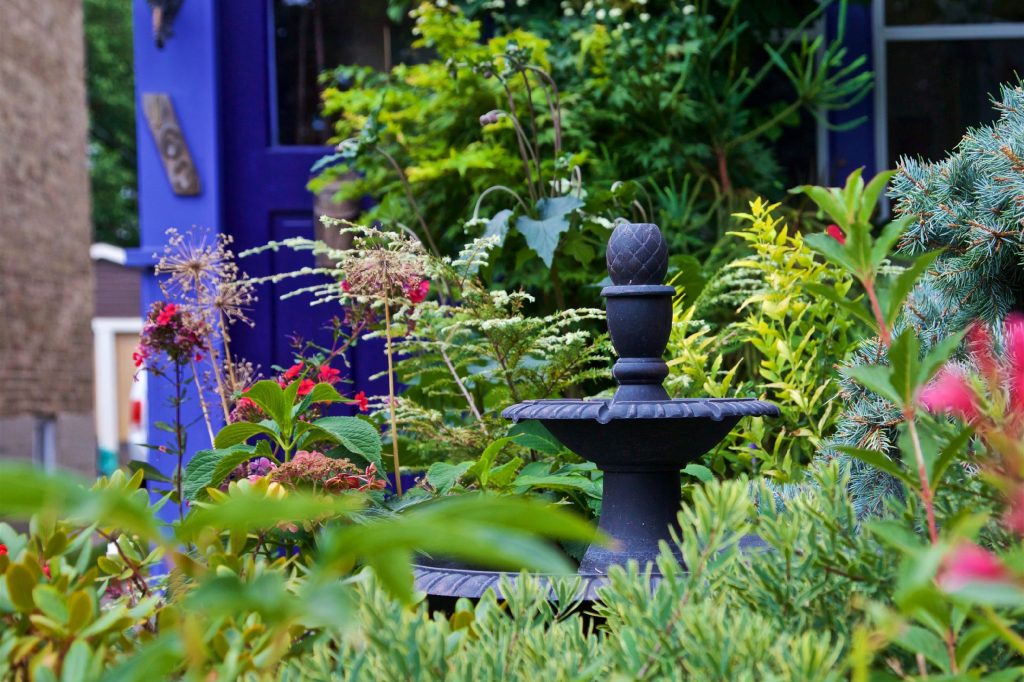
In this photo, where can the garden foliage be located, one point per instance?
(652, 113)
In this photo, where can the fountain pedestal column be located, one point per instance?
(638, 509)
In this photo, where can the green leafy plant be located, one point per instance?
(228, 607)
(784, 346)
(285, 430)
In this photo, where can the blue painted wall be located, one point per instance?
(215, 68)
(186, 69)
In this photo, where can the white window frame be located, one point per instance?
(882, 35)
(105, 331)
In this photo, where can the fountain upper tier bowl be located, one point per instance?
(642, 433)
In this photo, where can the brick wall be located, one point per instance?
(45, 271)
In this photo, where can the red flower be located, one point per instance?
(46, 571)
(3, 549)
(951, 392)
(306, 386)
(417, 293)
(345, 286)
(968, 563)
(166, 315)
(361, 401)
(139, 356)
(837, 234)
(293, 371)
(328, 375)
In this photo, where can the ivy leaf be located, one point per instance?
(354, 434)
(542, 235)
(208, 468)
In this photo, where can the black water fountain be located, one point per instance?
(640, 438)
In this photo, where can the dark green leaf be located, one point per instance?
(356, 435)
(148, 470)
(530, 433)
(830, 249)
(854, 308)
(443, 476)
(208, 468)
(269, 397)
(239, 432)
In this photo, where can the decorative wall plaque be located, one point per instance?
(163, 124)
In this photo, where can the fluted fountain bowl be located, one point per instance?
(657, 434)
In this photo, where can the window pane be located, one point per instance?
(911, 12)
(936, 90)
(311, 36)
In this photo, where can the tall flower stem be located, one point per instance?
(202, 402)
(179, 433)
(391, 395)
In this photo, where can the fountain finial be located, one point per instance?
(639, 310)
(637, 254)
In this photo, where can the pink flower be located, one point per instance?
(836, 233)
(345, 286)
(328, 375)
(166, 314)
(361, 401)
(969, 563)
(293, 371)
(951, 392)
(1013, 329)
